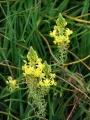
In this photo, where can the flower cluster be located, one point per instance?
(61, 38)
(60, 33)
(39, 73)
(39, 79)
(12, 85)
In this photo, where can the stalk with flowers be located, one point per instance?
(61, 39)
(38, 78)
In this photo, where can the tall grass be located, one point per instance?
(26, 23)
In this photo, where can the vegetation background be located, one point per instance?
(25, 23)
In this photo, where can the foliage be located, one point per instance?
(28, 23)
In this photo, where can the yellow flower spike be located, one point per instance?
(38, 78)
(61, 34)
(37, 73)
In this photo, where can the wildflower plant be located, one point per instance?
(61, 38)
(37, 74)
(38, 78)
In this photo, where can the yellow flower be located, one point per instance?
(38, 73)
(12, 85)
(52, 76)
(47, 82)
(68, 32)
(53, 83)
(27, 70)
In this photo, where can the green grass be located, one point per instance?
(20, 22)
